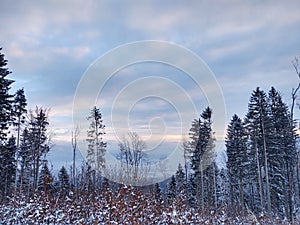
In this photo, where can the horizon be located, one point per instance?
(50, 47)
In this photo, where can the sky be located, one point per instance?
(51, 47)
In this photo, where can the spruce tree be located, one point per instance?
(6, 157)
(180, 181)
(63, 181)
(6, 99)
(202, 159)
(96, 145)
(282, 156)
(18, 118)
(258, 126)
(38, 140)
(171, 190)
(45, 179)
(25, 180)
(222, 188)
(7, 166)
(189, 147)
(18, 111)
(236, 149)
(194, 134)
(158, 193)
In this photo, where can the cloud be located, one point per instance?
(50, 44)
(153, 19)
(77, 52)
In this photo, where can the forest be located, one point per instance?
(259, 185)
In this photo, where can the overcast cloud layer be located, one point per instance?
(50, 44)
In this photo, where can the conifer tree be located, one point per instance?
(272, 154)
(7, 166)
(258, 127)
(194, 134)
(282, 156)
(63, 181)
(202, 162)
(45, 179)
(171, 190)
(96, 145)
(236, 148)
(18, 117)
(6, 99)
(189, 147)
(26, 162)
(222, 188)
(6, 157)
(180, 181)
(192, 187)
(158, 193)
(18, 111)
(38, 140)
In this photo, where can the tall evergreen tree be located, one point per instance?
(189, 147)
(7, 166)
(96, 145)
(272, 154)
(26, 163)
(237, 160)
(202, 162)
(222, 188)
(18, 111)
(18, 116)
(38, 140)
(258, 127)
(6, 99)
(194, 135)
(282, 156)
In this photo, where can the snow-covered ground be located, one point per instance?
(124, 206)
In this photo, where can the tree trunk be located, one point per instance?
(17, 153)
(215, 186)
(241, 189)
(266, 168)
(259, 176)
(202, 188)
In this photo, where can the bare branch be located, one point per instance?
(75, 134)
(295, 64)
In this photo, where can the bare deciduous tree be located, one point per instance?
(295, 63)
(131, 154)
(75, 134)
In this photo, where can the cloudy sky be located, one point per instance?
(50, 46)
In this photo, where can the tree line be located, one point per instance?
(262, 167)
(261, 173)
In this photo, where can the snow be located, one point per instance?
(125, 207)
